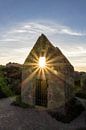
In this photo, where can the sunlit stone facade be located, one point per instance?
(55, 81)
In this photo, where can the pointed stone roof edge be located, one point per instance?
(42, 36)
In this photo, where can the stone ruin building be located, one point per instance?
(47, 77)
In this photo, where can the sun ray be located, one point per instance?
(42, 62)
(51, 60)
(30, 77)
(58, 75)
(35, 56)
(39, 72)
(43, 66)
(30, 64)
(43, 74)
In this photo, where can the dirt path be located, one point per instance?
(15, 118)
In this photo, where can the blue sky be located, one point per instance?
(63, 21)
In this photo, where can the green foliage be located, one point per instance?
(14, 78)
(2, 68)
(10, 81)
(4, 88)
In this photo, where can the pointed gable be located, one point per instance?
(56, 76)
(44, 47)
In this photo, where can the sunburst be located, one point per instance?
(42, 66)
(42, 62)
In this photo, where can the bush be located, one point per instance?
(5, 91)
(10, 78)
(14, 78)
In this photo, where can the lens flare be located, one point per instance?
(42, 62)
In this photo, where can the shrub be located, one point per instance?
(5, 91)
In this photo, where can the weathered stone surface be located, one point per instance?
(80, 82)
(83, 82)
(59, 74)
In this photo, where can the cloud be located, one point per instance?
(16, 42)
(77, 56)
(8, 40)
(13, 55)
(71, 32)
(75, 51)
(35, 28)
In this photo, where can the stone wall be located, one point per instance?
(59, 73)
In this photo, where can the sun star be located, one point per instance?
(42, 62)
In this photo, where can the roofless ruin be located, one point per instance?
(47, 78)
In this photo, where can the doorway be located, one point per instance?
(41, 92)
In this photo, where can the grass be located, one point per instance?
(18, 102)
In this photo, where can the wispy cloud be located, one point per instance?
(77, 56)
(8, 40)
(75, 51)
(16, 42)
(13, 55)
(71, 32)
(30, 28)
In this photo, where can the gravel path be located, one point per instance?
(15, 118)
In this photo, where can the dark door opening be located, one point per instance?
(41, 92)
